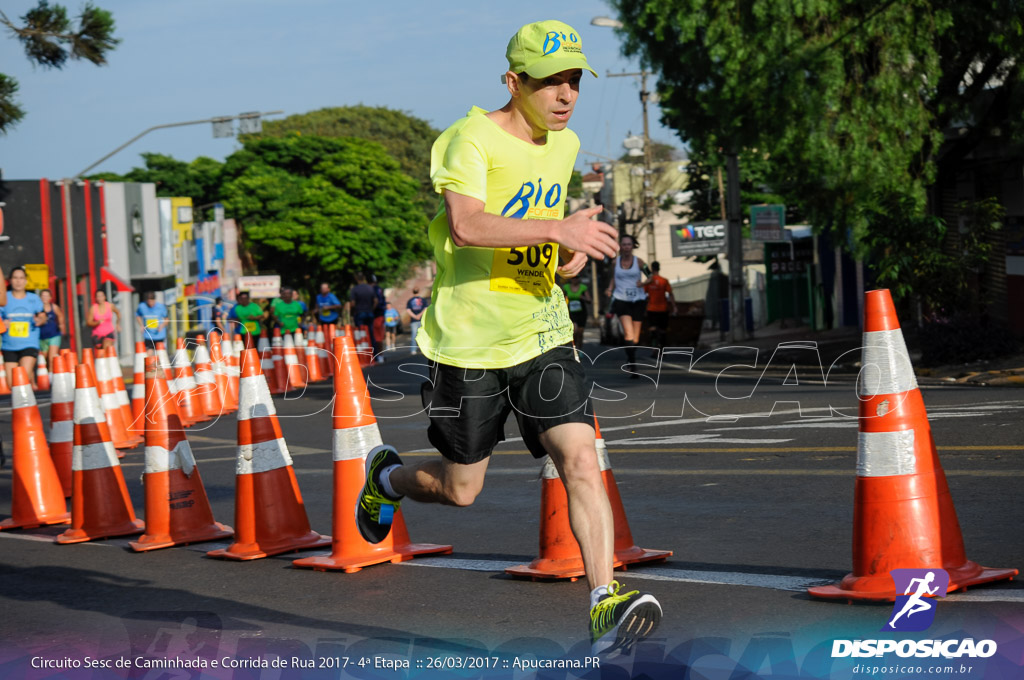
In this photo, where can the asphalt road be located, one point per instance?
(745, 473)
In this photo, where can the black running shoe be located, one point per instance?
(617, 621)
(375, 509)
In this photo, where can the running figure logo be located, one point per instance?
(912, 611)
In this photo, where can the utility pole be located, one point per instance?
(647, 205)
(734, 247)
(69, 236)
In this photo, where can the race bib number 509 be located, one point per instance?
(526, 270)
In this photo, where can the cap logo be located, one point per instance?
(554, 39)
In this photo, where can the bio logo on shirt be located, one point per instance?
(519, 207)
(553, 40)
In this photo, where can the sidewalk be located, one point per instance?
(832, 344)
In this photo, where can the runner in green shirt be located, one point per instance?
(249, 314)
(288, 311)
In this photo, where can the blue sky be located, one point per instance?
(188, 60)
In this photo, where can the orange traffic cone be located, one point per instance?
(164, 361)
(313, 362)
(114, 369)
(231, 372)
(355, 433)
(42, 375)
(115, 418)
(903, 514)
(36, 494)
(177, 509)
(190, 407)
(326, 342)
(296, 371)
(206, 381)
(62, 422)
(270, 517)
(280, 369)
(220, 374)
(100, 505)
(238, 347)
(361, 337)
(560, 555)
(267, 366)
(137, 427)
(4, 387)
(300, 348)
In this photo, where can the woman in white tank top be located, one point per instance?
(629, 299)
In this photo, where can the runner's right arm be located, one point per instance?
(471, 226)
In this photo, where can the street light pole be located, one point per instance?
(648, 197)
(647, 200)
(218, 119)
(734, 246)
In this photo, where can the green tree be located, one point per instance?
(50, 40)
(850, 99)
(315, 209)
(408, 139)
(199, 179)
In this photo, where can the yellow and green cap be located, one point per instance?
(545, 48)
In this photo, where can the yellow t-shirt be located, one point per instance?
(497, 307)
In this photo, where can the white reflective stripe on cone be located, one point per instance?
(602, 455)
(88, 409)
(62, 431)
(139, 390)
(109, 401)
(202, 355)
(140, 364)
(205, 378)
(254, 399)
(62, 388)
(122, 398)
(291, 360)
(549, 471)
(262, 457)
(885, 365)
(159, 459)
(233, 371)
(22, 396)
(354, 443)
(93, 456)
(884, 454)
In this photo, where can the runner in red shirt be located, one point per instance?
(660, 302)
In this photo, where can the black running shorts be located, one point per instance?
(468, 407)
(634, 310)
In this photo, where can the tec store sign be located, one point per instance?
(698, 238)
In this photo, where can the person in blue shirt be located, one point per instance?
(152, 318)
(327, 305)
(416, 306)
(22, 312)
(391, 321)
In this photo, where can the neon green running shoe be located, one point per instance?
(617, 621)
(375, 509)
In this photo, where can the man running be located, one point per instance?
(497, 320)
